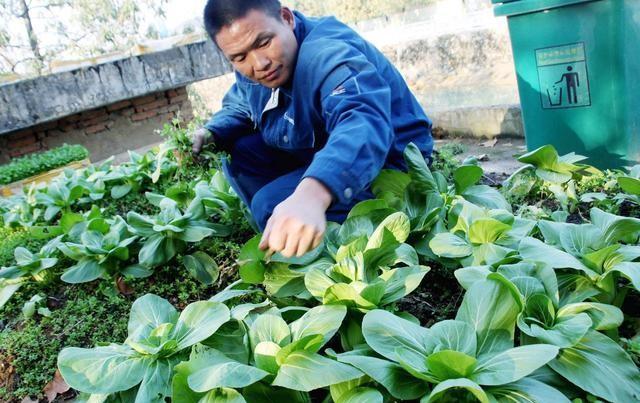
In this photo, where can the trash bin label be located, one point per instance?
(563, 78)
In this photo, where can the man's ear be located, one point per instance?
(287, 17)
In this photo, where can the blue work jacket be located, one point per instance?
(346, 105)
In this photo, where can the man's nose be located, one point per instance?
(260, 61)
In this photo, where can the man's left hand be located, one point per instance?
(297, 225)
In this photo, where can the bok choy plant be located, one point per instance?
(28, 266)
(102, 254)
(473, 355)
(169, 231)
(591, 258)
(425, 197)
(280, 356)
(142, 367)
(630, 184)
(547, 172)
(372, 266)
(480, 236)
(589, 359)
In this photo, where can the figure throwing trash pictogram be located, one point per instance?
(573, 82)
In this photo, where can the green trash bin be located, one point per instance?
(578, 68)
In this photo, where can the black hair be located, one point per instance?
(220, 13)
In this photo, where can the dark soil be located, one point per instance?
(551, 204)
(493, 178)
(575, 218)
(631, 305)
(629, 209)
(437, 298)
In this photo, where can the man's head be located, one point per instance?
(256, 36)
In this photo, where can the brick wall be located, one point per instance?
(104, 131)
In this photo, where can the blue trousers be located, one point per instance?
(264, 176)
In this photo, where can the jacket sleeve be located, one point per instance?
(355, 104)
(233, 120)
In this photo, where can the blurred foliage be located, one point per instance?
(354, 10)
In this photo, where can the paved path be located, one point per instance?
(500, 159)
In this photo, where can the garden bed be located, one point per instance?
(451, 284)
(40, 167)
(15, 188)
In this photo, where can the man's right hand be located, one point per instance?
(199, 139)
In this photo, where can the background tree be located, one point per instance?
(354, 10)
(36, 32)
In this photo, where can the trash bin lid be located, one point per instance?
(515, 7)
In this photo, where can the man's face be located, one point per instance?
(261, 47)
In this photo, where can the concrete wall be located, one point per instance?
(456, 56)
(104, 131)
(465, 81)
(43, 99)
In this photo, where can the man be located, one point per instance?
(316, 112)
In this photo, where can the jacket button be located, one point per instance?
(285, 139)
(348, 193)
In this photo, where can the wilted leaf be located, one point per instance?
(123, 287)
(55, 387)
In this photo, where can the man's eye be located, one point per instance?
(265, 43)
(238, 59)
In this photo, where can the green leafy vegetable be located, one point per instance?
(33, 164)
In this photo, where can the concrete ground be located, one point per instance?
(496, 156)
